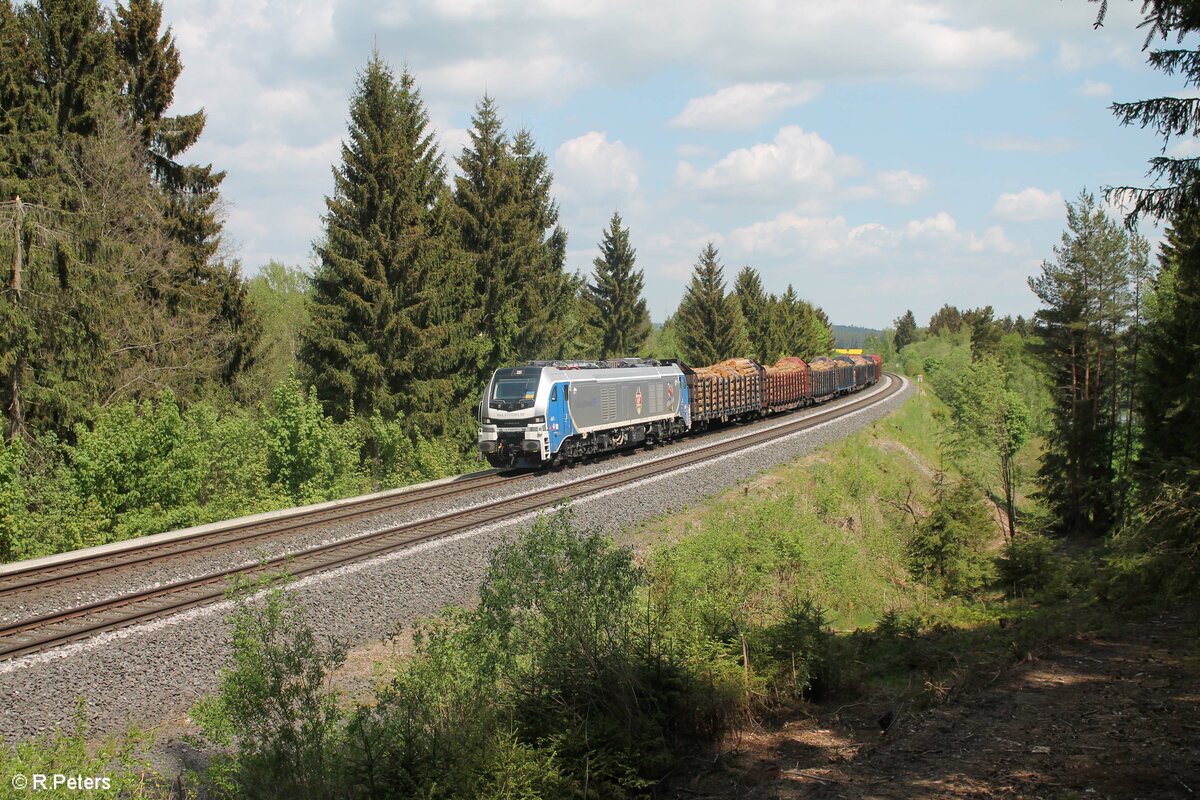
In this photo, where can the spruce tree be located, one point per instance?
(756, 311)
(1175, 180)
(906, 330)
(621, 314)
(710, 326)
(508, 225)
(540, 254)
(484, 195)
(77, 63)
(149, 66)
(1169, 394)
(384, 242)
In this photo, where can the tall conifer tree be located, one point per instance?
(1086, 301)
(756, 311)
(508, 225)
(710, 326)
(384, 241)
(621, 312)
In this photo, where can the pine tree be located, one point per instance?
(150, 65)
(74, 49)
(540, 254)
(947, 318)
(1086, 301)
(484, 194)
(710, 325)
(616, 293)
(382, 257)
(756, 310)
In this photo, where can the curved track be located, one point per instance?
(51, 630)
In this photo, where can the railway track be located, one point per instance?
(137, 552)
(52, 630)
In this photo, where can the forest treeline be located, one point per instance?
(121, 302)
(1103, 379)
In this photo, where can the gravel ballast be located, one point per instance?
(154, 672)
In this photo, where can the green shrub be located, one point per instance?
(948, 550)
(1030, 565)
(122, 761)
(274, 714)
(309, 456)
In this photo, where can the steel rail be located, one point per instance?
(52, 630)
(237, 533)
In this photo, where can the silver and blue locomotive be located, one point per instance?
(550, 412)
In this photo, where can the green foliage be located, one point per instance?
(1087, 303)
(378, 308)
(507, 223)
(275, 707)
(123, 761)
(709, 323)
(278, 296)
(1030, 565)
(753, 301)
(621, 315)
(991, 418)
(906, 330)
(1174, 185)
(309, 455)
(948, 551)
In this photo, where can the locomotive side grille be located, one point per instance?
(608, 404)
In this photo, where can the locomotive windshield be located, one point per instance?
(519, 383)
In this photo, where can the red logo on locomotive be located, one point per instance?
(637, 399)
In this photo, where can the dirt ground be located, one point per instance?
(1103, 716)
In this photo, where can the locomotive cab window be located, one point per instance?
(554, 393)
(516, 383)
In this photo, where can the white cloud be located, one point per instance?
(591, 168)
(796, 161)
(792, 234)
(939, 225)
(1070, 56)
(1096, 89)
(1052, 145)
(901, 186)
(744, 106)
(1184, 148)
(1028, 205)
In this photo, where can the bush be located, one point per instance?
(1030, 565)
(948, 550)
(309, 456)
(122, 760)
(274, 707)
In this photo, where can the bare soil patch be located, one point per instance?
(1103, 716)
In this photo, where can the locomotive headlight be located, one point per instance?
(539, 420)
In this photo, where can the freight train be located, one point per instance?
(546, 413)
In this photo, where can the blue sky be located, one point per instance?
(879, 155)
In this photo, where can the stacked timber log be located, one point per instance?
(787, 384)
(726, 389)
(823, 372)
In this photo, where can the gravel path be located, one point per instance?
(152, 672)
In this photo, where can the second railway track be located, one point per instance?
(46, 631)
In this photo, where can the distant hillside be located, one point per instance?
(852, 336)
